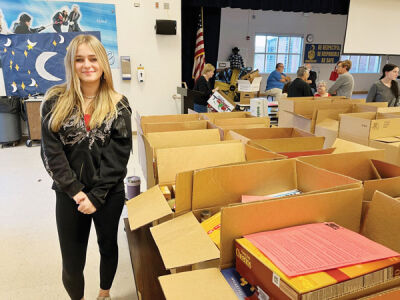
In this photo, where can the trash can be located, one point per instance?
(10, 123)
(132, 186)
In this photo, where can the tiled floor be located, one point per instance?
(30, 260)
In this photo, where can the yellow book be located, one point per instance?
(213, 228)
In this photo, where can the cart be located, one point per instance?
(32, 109)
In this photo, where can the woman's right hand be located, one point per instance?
(79, 197)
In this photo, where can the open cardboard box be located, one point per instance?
(150, 142)
(286, 141)
(366, 166)
(142, 120)
(299, 113)
(391, 145)
(225, 115)
(363, 127)
(180, 247)
(245, 135)
(178, 164)
(342, 207)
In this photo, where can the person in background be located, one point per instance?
(299, 87)
(386, 89)
(311, 78)
(276, 80)
(24, 25)
(73, 20)
(60, 18)
(321, 89)
(334, 75)
(202, 85)
(85, 147)
(344, 85)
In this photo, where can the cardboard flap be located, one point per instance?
(382, 222)
(204, 284)
(342, 207)
(183, 192)
(268, 133)
(221, 186)
(183, 242)
(343, 146)
(385, 128)
(147, 207)
(388, 140)
(183, 138)
(174, 126)
(307, 153)
(386, 170)
(171, 161)
(242, 121)
(314, 179)
(353, 164)
(212, 116)
(168, 118)
(253, 153)
(291, 144)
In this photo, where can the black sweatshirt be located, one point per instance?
(299, 88)
(90, 161)
(202, 86)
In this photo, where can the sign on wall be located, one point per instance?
(322, 53)
(33, 17)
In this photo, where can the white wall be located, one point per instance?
(159, 54)
(236, 24)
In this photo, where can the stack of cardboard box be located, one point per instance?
(210, 167)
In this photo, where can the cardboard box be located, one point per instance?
(259, 107)
(366, 166)
(227, 115)
(197, 285)
(170, 139)
(144, 209)
(233, 181)
(391, 145)
(342, 207)
(363, 127)
(246, 96)
(165, 119)
(245, 135)
(247, 86)
(175, 126)
(220, 103)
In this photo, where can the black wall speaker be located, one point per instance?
(167, 27)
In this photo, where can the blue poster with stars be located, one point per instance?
(32, 63)
(38, 16)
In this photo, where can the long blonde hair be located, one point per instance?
(70, 99)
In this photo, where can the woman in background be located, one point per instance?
(386, 89)
(202, 85)
(85, 147)
(321, 89)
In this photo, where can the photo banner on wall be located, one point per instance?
(32, 63)
(27, 16)
(322, 53)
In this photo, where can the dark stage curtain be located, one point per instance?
(211, 29)
(316, 6)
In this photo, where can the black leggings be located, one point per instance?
(73, 232)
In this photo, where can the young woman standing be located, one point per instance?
(386, 89)
(85, 147)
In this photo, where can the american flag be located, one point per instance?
(199, 53)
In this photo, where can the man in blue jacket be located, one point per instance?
(276, 80)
